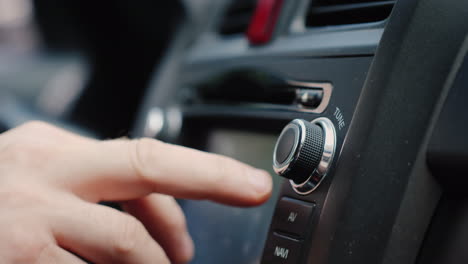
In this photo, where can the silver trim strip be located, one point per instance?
(327, 91)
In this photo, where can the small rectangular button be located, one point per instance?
(293, 217)
(309, 97)
(281, 250)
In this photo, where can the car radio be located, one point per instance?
(239, 111)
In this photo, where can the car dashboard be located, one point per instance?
(368, 94)
(365, 67)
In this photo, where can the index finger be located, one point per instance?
(128, 169)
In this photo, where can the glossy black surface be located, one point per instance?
(285, 145)
(281, 250)
(306, 147)
(293, 218)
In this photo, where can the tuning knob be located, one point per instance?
(304, 152)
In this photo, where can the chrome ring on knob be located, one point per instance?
(279, 168)
(321, 171)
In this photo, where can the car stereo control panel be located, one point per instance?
(306, 104)
(305, 154)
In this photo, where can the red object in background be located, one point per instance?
(263, 21)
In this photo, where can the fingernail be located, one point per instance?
(188, 248)
(260, 180)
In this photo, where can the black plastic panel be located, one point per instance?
(448, 150)
(347, 76)
(392, 121)
(380, 194)
(448, 235)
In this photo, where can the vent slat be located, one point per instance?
(342, 2)
(237, 17)
(349, 13)
(235, 24)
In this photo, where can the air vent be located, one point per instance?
(257, 88)
(237, 17)
(346, 12)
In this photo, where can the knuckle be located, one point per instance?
(177, 222)
(26, 153)
(20, 148)
(143, 154)
(27, 248)
(33, 128)
(224, 168)
(36, 131)
(35, 125)
(46, 255)
(16, 151)
(29, 131)
(130, 236)
(22, 195)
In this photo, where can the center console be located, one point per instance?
(339, 97)
(246, 128)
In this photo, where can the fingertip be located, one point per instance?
(262, 185)
(260, 181)
(187, 249)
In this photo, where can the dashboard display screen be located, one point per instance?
(226, 234)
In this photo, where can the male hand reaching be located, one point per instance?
(51, 181)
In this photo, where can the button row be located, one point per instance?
(292, 217)
(280, 249)
(289, 228)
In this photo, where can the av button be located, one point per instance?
(293, 217)
(281, 250)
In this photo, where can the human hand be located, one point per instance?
(51, 180)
